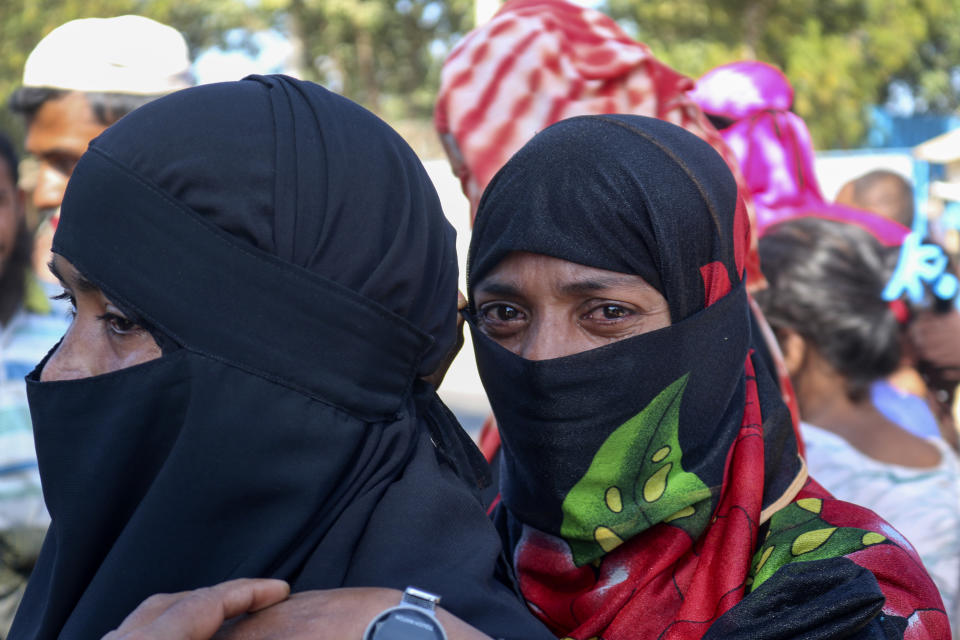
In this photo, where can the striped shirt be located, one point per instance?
(24, 341)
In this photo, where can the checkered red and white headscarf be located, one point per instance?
(540, 61)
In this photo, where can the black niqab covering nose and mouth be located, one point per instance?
(639, 196)
(291, 247)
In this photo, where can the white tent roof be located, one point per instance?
(944, 149)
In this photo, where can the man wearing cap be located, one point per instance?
(82, 77)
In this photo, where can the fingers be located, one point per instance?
(197, 614)
(146, 613)
(246, 595)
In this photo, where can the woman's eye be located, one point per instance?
(612, 312)
(506, 313)
(499, 313)
(66, 295)
(500, 317)
(119, 325)
(609, 312)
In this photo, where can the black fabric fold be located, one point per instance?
(817, 600)
(286, 325)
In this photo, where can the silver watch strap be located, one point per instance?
(420, 599)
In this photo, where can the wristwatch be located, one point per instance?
(412, 619)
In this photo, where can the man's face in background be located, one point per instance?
(57, 135)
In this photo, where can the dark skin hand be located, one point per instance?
(334, 614)
(197, 614)
(936, 337)
(217, 612)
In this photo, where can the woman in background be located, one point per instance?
(749, 102)
(839, 337)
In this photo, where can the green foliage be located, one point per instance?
(381, 53)
(840, 55)
(377, 51)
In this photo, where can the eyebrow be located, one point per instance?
(79, 281)
(498, 288)
(590, 285)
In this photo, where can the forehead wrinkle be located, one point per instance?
(597, 283)
(587, 285)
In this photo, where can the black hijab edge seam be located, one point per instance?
(271, 261)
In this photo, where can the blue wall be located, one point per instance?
(906, 131)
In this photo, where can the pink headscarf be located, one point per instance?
(774, 147)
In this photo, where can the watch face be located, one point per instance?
(406, 624)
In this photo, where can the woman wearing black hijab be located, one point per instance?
(651, 484)
(262, 275)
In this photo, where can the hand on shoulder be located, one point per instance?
(217, 612)
(197, 614)
(332, 614)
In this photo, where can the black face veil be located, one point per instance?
(290, 247)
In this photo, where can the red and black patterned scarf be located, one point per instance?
(652, 488)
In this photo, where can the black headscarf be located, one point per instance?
(652, 486)
(622, 216)
(619, 461)
(621, 193)
(289, 252)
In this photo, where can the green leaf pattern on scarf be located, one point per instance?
(797, 533)
(635, 481)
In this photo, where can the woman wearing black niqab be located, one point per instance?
(288, 253)
(651, 481)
